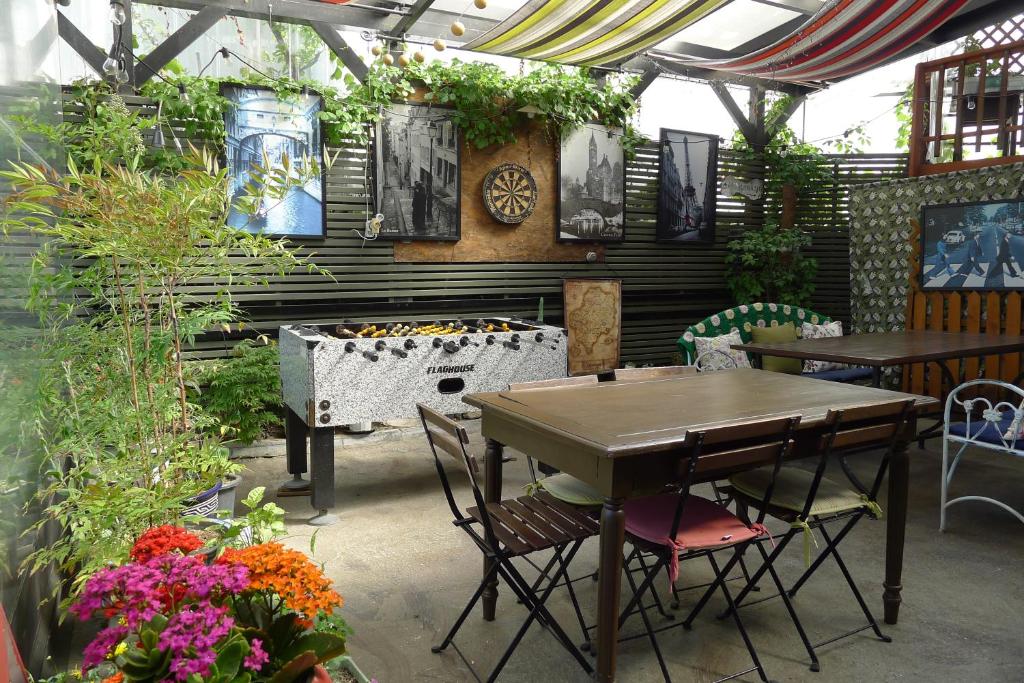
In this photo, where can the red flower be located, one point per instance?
(162, 540)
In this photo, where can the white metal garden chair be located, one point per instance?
(991, 424)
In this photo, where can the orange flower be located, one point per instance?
(289, 574)
(116, 678)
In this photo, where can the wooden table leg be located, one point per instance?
(492, 494)
(896, 523)
(613, 532)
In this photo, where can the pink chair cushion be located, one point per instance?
(705, 524)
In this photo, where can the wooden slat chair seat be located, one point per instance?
(808, 501)
(538, 522)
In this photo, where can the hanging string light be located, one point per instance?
(116, 13)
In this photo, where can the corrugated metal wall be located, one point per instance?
(665, 287)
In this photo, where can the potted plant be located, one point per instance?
(128, 448)
(245, 608)
(768, 265)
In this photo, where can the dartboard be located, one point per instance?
(510, 193)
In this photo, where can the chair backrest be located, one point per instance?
(762, 442)
(642, 374)
(860, 428)
(985, 405)
(556, 382)
(448, 436)
(744, 318)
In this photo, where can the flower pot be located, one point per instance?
(205, 504)
(320, 675)
(226, 497)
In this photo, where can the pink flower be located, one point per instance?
(257, 656)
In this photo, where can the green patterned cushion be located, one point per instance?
(745, 318)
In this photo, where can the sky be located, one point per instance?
(669, 103)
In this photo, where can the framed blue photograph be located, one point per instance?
(260, 125)
(973, 246)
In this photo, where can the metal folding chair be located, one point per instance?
(505, 530)
(679, 526)
(808, 501)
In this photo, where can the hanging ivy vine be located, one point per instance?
(485, 101)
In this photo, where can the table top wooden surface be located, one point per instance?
(891, 348)
(618, 419)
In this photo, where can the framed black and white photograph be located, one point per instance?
(261, 126)
(975, 245)
(418, 173)
(688, 187)
(591, 185)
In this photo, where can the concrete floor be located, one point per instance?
(406, 572)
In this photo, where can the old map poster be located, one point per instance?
(593, 317)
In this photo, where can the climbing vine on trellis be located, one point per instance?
(485, 101)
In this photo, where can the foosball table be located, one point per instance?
(349, 373)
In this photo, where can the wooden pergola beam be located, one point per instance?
(746, 126)
(177, 42)
(338, 46)
(82, 46)
(647, 77)
(412, 15)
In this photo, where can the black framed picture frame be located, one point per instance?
(260, 122)
(973, 246)
(688, 187)
(419, 175)
(591, 185)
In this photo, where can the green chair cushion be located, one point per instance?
(791, 487)
(571, 490)
(780, 333)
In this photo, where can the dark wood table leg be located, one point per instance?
(295, 434)
(322, 476)
(613, 533)
(896, 523)
(492, 494)
(876, 377)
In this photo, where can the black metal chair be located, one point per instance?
(677, 526)
(505, 530)
(808, 501)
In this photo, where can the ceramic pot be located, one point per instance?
(226, 497)
(205, 504)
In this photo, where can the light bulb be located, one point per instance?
(182, 93)
(116, 13)
(110, 66)
(971, 104)
(122, 76)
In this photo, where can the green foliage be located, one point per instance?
(243, 393)
(485, 100)
(262, 523)
(125, 446)
(767, 265)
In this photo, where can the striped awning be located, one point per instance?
(590, 32)
(845, 38)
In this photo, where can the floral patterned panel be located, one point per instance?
(743, 318)
(880, 245)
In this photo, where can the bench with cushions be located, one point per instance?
(743, 320)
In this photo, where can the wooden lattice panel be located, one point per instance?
(1010, 31)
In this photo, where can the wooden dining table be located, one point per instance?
(879, 350)
(624, 439)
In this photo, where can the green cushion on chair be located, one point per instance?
(791, 487)
(771, 335)
(571, 490)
